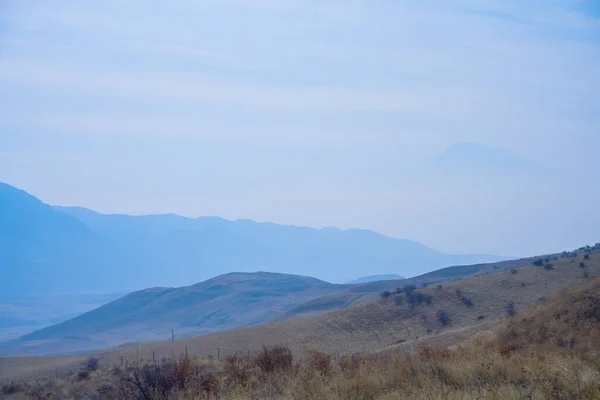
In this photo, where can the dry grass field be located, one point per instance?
(388, 322)
(530, 332)
(551, 351)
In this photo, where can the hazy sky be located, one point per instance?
(310, 112)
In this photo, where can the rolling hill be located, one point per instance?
(388, 323)
(397, 322)
(228, 301)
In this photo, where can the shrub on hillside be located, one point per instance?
(158, 380)
(386, 294)
(415, 298)
(443, 317)
(511, 310)
(11, 388)
(275, 359)
(410, 288)
(458, 293)
(513, 271)
(582, 265)
(548, 266)
(440, 287)
(539, 262)
(480, 317)
(236, 370)
(350, 365)
(425, 285)
(92, 364)
(586, 257)
(467, 301)
(321, 363)
(399, 300)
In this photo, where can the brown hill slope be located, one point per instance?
(361, 293)
(376, 325)
(550, 351)
(225, 302)
(386, 322)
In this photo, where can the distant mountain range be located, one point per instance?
(47, 249)
(375, 278)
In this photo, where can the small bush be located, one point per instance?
(418, 298)
(11, 388)
(586, 257)
(399, 300)
(458, 293)
(410, 288)
(513, 271)
(467, 301)
(539, 262)
(443, 317)
(83, 375)
(511, 310)
(548, 266)
(350, 365)
(425, 285)
(480, 317)
(398, 290)
(275, 359)
(321, 363)
(237, 370)
(92, 364)
(582, 265)
(585, 275)
(386, 294)
(439, 287)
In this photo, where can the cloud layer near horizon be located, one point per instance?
(307, 112)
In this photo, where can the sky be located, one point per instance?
(314, 113)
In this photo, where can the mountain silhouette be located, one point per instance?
(47, 249)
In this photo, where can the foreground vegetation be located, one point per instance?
(549, 352)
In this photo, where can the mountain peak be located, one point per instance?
(468, 156)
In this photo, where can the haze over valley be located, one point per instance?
(299, 200)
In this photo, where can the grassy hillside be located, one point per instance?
(369, 291)
(550, 351)
(383, 323)
(225, 302)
